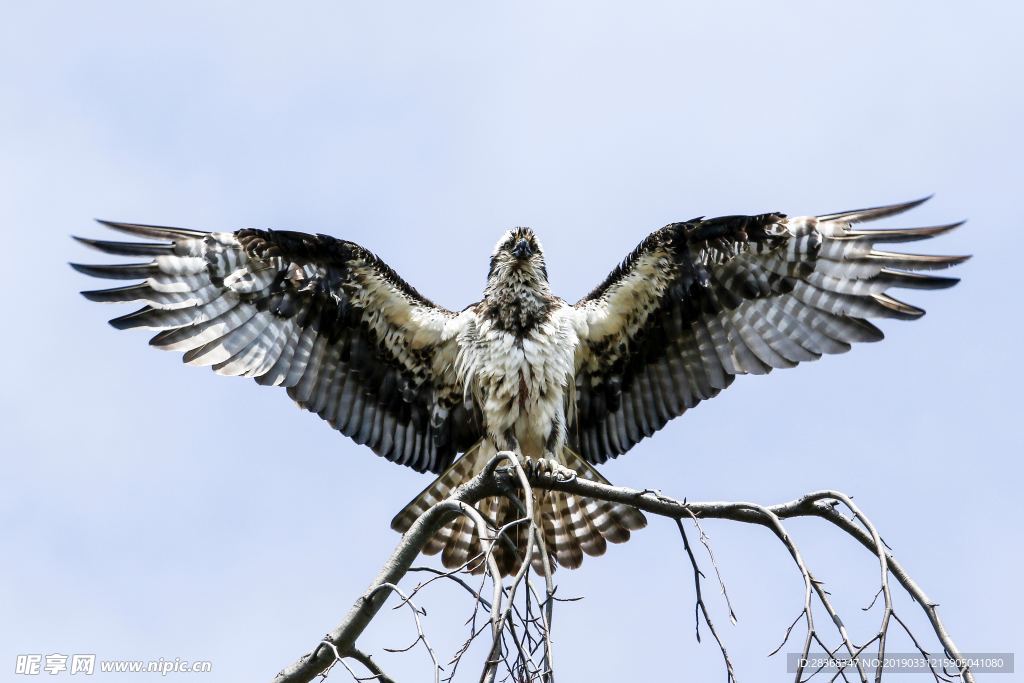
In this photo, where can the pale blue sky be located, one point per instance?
(151, 510)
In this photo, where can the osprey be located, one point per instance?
(694, 305)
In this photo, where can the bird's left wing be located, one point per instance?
(700, 302)
(327, 319)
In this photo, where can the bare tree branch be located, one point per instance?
(810, 505)
(377, 674)
(700, 608)
(344, 636)
(506, 475)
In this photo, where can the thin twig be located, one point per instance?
(701, 608)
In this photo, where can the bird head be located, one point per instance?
(519, 256)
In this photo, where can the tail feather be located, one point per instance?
(456, 550)
(562, 533)
(591, 541)
(438, 541)
(571, 526)
(611, 521)
(459, 472)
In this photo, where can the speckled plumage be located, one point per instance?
(694, 305)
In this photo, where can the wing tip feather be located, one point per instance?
(900, 310)
(126, 248)
(874, 212)
(121, 271)
(158, 231)
(113, 295)
(129, 320)
(901, 235)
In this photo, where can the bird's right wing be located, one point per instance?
(700, 302)
(325, 318)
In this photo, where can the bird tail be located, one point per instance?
(571, 525)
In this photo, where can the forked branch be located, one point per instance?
(520, 637)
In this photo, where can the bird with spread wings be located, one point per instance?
(694, 305)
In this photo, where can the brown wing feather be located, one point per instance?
(697, 303)
(349, 339)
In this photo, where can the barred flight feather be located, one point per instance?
(276, 306)
(771, 292)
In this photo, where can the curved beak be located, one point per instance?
(522, 250)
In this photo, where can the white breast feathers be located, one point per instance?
(521, 385)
